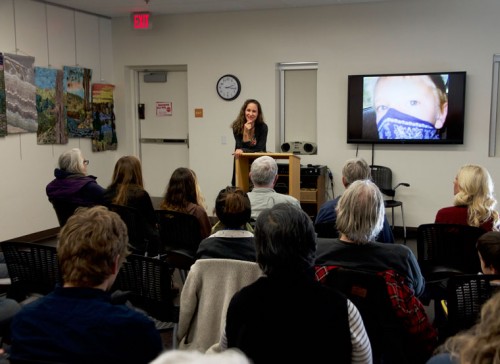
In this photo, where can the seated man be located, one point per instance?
(264, 174)
(77, 323)
(354, 170)
(360, 217)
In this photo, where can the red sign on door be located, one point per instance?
(164, 108)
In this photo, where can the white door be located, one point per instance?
(164, 139)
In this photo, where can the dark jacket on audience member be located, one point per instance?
(376, 257)
(228, 244)
(81, 325)
(75, 188)
(304, 313)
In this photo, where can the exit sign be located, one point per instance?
(141, 21)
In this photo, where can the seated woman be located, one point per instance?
(182, 195)
(232, 240)
(72, 187)
(474, 203)
(127, 189)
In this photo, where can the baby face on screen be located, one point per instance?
(409, 107)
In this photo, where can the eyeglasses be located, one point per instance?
(86, 162)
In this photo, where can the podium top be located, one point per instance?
(272, 155)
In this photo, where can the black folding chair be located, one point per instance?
(466, 294)
(147, 284)
(33, 269)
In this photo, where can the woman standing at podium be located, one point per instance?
(249, 131)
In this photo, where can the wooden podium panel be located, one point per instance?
(243, 168)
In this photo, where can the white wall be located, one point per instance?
(56, 37)
(409, 36)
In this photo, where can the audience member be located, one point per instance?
(360, 217)
(72, 184)
(182, 196)
(230, 356)
(264, 174)
(232, 240)
(354, 170)
(77, 323)
(478, 345)
(287, 314)
(127, 189)
(410, 107)
(249, 131)
(474, 203)
(488, 248)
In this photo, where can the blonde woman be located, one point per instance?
(474, 203)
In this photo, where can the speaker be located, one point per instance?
(299, 147)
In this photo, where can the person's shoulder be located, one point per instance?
(124, 315)
(289, 198)
(329, 204)
(445, 213)
(394, 249)
(447, 209)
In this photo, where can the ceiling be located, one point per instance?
(118, 8)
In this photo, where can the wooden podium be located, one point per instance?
(243, 168)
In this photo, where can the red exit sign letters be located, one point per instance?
(141, 21)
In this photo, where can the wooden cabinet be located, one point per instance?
(312, 187)
(292, 176)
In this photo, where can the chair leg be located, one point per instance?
(174, 336)
(404, 226)
(392, 218)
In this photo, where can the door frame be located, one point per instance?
(134, 73)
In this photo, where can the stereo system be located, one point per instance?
(299, 147)
(309, 170)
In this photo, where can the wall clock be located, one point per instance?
(228, 87)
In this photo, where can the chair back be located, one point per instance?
(444, 250)
(33, 269)
(148, 282)
(137, 227)
(205, 297)
(382, 177)
(178, 231)
(465, 297)
(181, 261)
(326, 230)
(64, 210)
(368, 292)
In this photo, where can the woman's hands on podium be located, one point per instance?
(237, 153)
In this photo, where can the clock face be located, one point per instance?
(228, 87)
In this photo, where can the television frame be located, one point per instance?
(362, 130)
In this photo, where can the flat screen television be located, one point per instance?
(406, 108)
